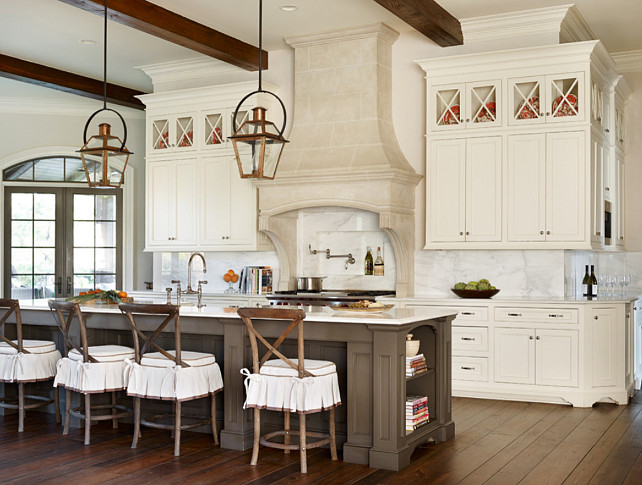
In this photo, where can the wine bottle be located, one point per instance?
(585, 283)
(368, 263)
(378, 264)
(593, 282)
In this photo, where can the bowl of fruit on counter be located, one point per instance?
(475, 289)
(100, 297)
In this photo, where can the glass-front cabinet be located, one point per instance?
(218, 125)
(546, 99)
(171, 133)
(466, 105)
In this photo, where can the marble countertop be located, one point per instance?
(511, 300)
(392, 316)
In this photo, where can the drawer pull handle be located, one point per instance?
(467, 368)
(468, 338)
(514, 314)
(467, 313)
(555, 315)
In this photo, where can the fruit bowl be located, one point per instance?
(475, 293)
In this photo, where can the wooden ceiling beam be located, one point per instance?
(165, 24)
(429, 18)
(30, 72)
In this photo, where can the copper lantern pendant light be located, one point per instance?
(258, 143)
(100, 151)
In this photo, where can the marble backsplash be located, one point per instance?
(533, 273)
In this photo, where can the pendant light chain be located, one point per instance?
(260, 39)
(105, 60)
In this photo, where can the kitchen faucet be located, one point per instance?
(189, 290)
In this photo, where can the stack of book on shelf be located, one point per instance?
(416, 365)
(256, 280)
(416, 412)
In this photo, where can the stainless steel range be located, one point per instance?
(324, 298)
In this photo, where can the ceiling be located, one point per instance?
(49, 32)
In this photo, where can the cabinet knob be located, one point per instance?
(461, 233)
(599, 118)
(541, 114)
(548, 114)
(598, 233)
(620, 140)
(467, 233)
(467, 120)
(595, 317)
(171, 238)
(606, 130)
(548, 233)
(537, 338)
(530, 338)
(541, 232)
(607, 189)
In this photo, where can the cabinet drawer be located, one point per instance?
(470, 368)
(464, 313)
(539, 315)
(470, 338)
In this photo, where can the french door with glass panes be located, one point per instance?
(61, 241)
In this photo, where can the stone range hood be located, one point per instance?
(343, 150)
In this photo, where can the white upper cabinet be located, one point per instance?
(464, 190)
(195, 198)
(546, 99)
(557, 118)
(466, 105)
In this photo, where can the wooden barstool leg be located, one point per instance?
(303, 444)
(136, 421)
(286, 427)
(333, 440)
(21, 407)
(57, 404)
(87, 418)
(214, 431)
(114, 421)
(177, 430)
(67, 410)
(257, 436)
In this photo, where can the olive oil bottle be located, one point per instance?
(368, 263)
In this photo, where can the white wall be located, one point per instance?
(40, 120)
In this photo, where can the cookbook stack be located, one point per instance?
(416, 412)
(416, 365)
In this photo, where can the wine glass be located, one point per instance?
(621, 280)
(601, 285)
(612, 281)
(627, 282)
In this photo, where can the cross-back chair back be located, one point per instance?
(64, 313)
(297, 316)
(145, 343)
(9, 307)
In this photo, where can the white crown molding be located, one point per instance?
(628, 61)
(564, 20)
(378, 29)
(59, 107)
(187, 70)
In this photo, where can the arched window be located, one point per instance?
(59, 239)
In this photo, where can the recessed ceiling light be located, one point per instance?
(288, 8)
(87, 41)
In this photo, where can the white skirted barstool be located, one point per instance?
(23, 361)
(298, 385)
(89, 370)
(173, 375)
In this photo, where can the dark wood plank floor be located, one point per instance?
(497, 442)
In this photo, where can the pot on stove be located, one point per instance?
(312, 284)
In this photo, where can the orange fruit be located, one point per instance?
(235, 278)
(122, 294)
(230, 272)
(91, 292)
(82, 293)
(98, 290)
(227, 277)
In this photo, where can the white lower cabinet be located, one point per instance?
(575, 353)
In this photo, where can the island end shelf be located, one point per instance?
(370, 353)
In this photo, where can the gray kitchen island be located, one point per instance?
(369, 350)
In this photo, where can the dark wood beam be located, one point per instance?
(429, 18)
(33, 73)
(152, 19)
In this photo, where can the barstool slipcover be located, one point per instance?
(278, 387)
(38, 365)
(157, 377)
(93, 377)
